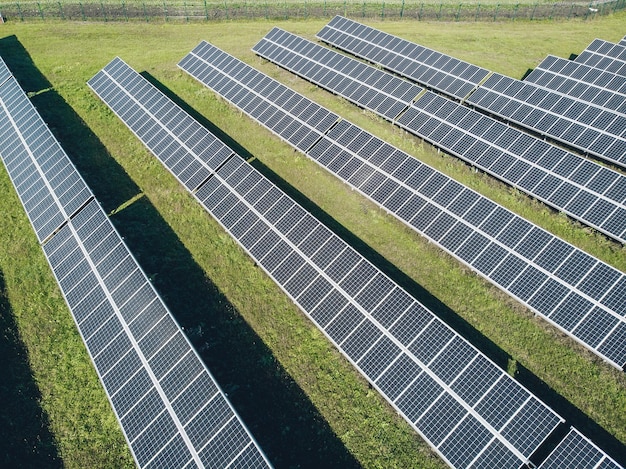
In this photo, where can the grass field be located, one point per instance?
(304, 403)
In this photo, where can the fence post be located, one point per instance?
(61, 11)
(382, 13)
(570, 11)
(515, 11)
(439, 12)
(477, 12)
(165, 10)
(40, 10)
(104, 13)
(495, 15)
(225, 8)
(19, 10)
(402, 10)
(532, 15)
(458, 12)
(206, 12)
(363, 9)
(419, 15)
(124, 10)
(306, 10)
(145, 13)
(82, 10)
(185, 10)
(345, 8)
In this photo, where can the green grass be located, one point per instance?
(303, 401)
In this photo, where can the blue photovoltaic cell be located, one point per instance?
(486, 232)
(508, 154)
(302, 256)
(587, 127)
(605, 55)
(426, 66)
(577, 451)
(144, 362)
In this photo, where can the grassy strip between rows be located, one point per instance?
(305, 404)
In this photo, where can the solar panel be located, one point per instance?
(464, 223)
(604, 89)
(429, 67)
(623, 41)
(581, 125)
(169, 407)
(561, 179)
(577, 451)
(411, 357)
(605, 55)
(45, 180)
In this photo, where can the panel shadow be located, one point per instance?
(25, 436)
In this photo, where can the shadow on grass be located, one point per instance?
(534, 384)
(25, 437)
(288, 427)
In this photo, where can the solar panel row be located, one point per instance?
(605, 55)
(5, 73)
(46, 182)
(586, 83)
(168, 405)
(434, 69)
(473, 413)
(577, 451)
(584, 190)
(371, 88)
(576, 123)
(584, 126)
(488, 238)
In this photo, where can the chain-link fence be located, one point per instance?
(203, 10)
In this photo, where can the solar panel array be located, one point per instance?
(168, 405)
(582, 82)
(577, 451)
(434, 69)
(605, 55)
(532, 265)
(471, 411)
(583, 189)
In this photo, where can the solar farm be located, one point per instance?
(331, 243)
